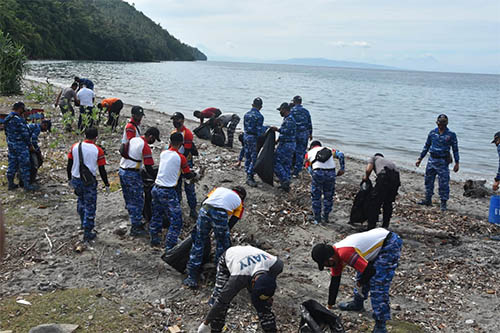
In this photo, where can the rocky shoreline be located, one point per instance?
(448, 279)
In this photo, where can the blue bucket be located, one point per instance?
(494, 216)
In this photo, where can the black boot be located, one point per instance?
(12, 185)
(426, 202)
(355, 305)
(379, 327)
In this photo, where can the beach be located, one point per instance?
(448, 279)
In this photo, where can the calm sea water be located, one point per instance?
(358, 111)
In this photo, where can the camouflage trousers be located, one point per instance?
(208, 219)
(300, 151)
(385, 265)
(188, 188)
(439, 167)
(19, 159)
(231, 128)
(165, 202)
(250, 153)
(133, 193)
(86, 204)
(322, 184)
(283, 161)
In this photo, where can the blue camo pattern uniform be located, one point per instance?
(497, 178)
(253, 127)
(304, 131)
(378, 288)
(285, 150)
(18, 143)
(438, 145)
(133, 189)
(323, 176)
(35, 130)
(189, 189)
(86, 203)
(165, 202)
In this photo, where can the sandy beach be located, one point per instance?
(448, 279)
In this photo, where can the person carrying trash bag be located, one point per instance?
(135, 153)
(375, 255)
(214, 212)
(496, 141)
(238, 268)
(253, 128)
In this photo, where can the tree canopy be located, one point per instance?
(89, 30)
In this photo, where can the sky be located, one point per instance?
(443, 35)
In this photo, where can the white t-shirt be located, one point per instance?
(224, 198)
(248, 260)
(138, 150)
(367, 244)
(86, 96)
(311, 155)
(93, 157)
(171, 164)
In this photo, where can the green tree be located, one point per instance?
(12, 65)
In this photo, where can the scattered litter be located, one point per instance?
(23, 302)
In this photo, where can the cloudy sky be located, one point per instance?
(447, 35)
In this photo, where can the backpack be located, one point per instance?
(124, 148)
(323, 155)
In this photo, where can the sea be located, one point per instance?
(357, 111)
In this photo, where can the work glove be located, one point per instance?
(204, 328)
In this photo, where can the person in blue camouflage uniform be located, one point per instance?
(19, 145)
(323, 184)
(210, 218)
(496, 141)
(304, 132)
(438, 144)
(132, 183)
(374, 281)
(286, 147)
(253, 128)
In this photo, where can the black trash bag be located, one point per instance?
(315, 318)
(203, 131)
(264, 164)
(218, 137)
(178, 256)
(359, 210)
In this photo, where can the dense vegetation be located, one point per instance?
(89, 30)
(12, 61)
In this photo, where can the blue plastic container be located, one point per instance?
(494, 216)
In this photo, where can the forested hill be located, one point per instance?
(89, 30)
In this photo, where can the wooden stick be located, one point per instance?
(29, 249)
(50, 242)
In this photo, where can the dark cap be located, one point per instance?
(154, 132)
(264, 287)
(297, 99)
(321, 253)
(18, 105)
(176, 138)
(241, 191)
(284, 105)
(257, 102)
(495, 137)
(442, 118)
(177, 115)
(315, 143)
(137, 111)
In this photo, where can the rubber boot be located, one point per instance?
(379, 327)
(138, 231)
(251, 182)
(426, 202)
(355, 305)
(12, 185)
(192, 280)
(443, 206)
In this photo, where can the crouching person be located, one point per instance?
(375, 255)
(215, 210)
(87, 154)
(238, 268)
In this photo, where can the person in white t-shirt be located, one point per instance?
(220, 204)
(93, 159)
(323, 178)
(238, 268)
(375, 256)
(138, 153)
(165, 199)
(86, 97)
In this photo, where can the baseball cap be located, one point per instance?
(321, 253)
(154, 132)
(315, 143)
(137, 110)
(495, 137)
(297, 99)
(264, 287)
(257, 102)
(284, 105)
(18, 105)
(177, 115)
(176, 137)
